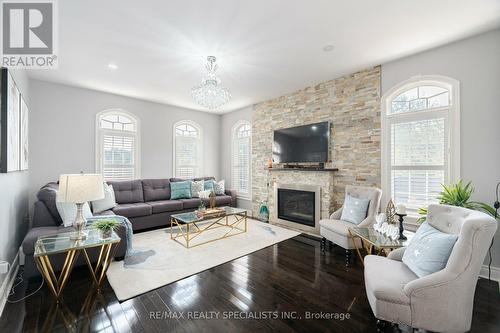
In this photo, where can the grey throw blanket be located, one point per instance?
(124, 221)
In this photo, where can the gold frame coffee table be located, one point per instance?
(62, 243)
(373, 240)
(188, 225)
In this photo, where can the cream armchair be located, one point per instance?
(337, 231)
(441, 301)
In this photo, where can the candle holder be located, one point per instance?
(401, 228)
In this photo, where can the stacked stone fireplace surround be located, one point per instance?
(352, 105)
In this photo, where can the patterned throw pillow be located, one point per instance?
(205, 194)
(429, 250)
(180, 190)
(196, 188)
(355, 209)
(219, 188)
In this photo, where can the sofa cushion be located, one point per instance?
(165, 206)
(105, 213)
(127, 191)
(191, 203)
(47, 195)
(209, 185)
(156, 189)
(107, 203)
(133, 209)
(32, 236)
(220, 200)
(181, 190)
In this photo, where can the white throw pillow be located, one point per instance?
(67, 211)
(196, 188)
(205, 194)
(219, 187)
(107, 203)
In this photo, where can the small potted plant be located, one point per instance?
(105, 227)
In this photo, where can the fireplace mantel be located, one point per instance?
(303, 169)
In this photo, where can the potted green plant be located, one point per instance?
(105, 227)
(459, 194)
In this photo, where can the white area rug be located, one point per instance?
(159, 260)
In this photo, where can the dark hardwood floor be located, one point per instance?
(287, 280)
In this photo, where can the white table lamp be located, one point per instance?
(78, 189)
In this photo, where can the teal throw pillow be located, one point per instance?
(429, 250)
(355, 209)
(209, 185)
(180, 190)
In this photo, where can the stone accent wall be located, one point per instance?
(352, 105)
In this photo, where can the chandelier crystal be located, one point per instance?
(210, 93)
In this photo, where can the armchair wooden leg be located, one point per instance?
(381, 324)
(323, 244)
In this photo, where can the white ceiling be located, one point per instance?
(265, 48)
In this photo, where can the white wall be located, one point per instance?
(475, 62)
(228, 121)
(62, 133)
(14, 197)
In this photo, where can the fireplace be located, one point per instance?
(297, 206)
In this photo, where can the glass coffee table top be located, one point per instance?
(60, 243)
(191, 217)
(379, 240)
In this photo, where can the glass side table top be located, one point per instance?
(61, 243)
(191, 216)
(379, 240)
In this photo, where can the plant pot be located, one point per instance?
(105, 234)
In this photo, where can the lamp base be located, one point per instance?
(79, 224)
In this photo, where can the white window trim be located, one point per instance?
(99, 136)
(453, 118)
(233, 132)
(200, 151)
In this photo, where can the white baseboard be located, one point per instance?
(495, 273)
(8, 282)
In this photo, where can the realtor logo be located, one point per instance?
(29, 34)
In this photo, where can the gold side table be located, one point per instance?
(46, 246)
(372, 240)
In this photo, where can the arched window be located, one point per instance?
(117, 145)
(241, 158)
(187, 149)
(420, 140)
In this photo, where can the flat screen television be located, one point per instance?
(302, 144)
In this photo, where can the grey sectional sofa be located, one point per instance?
(146, 203)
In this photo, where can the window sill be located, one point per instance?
(243, 198)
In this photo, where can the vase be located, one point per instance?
(105, 234)
(264, 212)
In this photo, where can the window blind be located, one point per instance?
(118, 157)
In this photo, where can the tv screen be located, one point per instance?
(308, 143)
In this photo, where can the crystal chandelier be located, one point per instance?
(209, 93)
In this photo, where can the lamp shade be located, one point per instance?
(80, 188)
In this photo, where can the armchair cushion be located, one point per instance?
(355, 209)
(385, 280)
(429, 250)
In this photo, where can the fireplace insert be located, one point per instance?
(297, 206)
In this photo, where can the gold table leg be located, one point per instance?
(57, 284)
(106, 255)
(353, 238)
